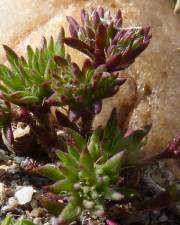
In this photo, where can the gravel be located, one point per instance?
(14, 180)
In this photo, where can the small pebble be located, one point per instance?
(3, 156)
(176, 210)
(18, 159)
(24, 195)
(34, 203)
(37, 212)
(13, 168)
(12, 202)
(37, 221)
(163, 218)
(2, 193)
(5, 208)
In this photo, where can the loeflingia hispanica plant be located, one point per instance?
(89, 166)
(9, 221)
(47, 77)
(89, 171)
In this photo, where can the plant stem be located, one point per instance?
(87, 119)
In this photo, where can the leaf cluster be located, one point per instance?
(89, 171)
(47, 76)
(28, 81)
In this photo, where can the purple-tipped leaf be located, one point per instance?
(8, 133)
(64, 121)
(97, 107)
(118, 15)
(87, 65)
(113, 165)
(43, 44)
(101, 12)
(76, 70)
(60, 61)
(100, 44)
(113, 61)
(73, 115)
(73, 26)
(96, 20)
(83, 16)
(79, 45)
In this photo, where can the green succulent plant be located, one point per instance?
(88, 173)
(9, 221)
(92, 168)
(83, 89)
(47, 77)
(27, 82)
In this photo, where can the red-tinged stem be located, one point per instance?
(87, 119)
(172, 151)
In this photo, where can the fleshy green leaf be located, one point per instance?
(79, 141)
(72, 150)
(69, 173)
(113, 165)
(11, 55)
(30, 54)
(68, 160)
(58, 187)
(87, 164)
(94, 144)
(70, 212)
(7, 221)
(133, 141)
(24, 222)
(112, 137)
(51, 172)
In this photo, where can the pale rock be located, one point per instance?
(12, 202)
(163, 218)
(24, 195)
(37, 221)
(18, 159)
(37, 212)
(3, 156)
(34, 203)
(2, 193)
